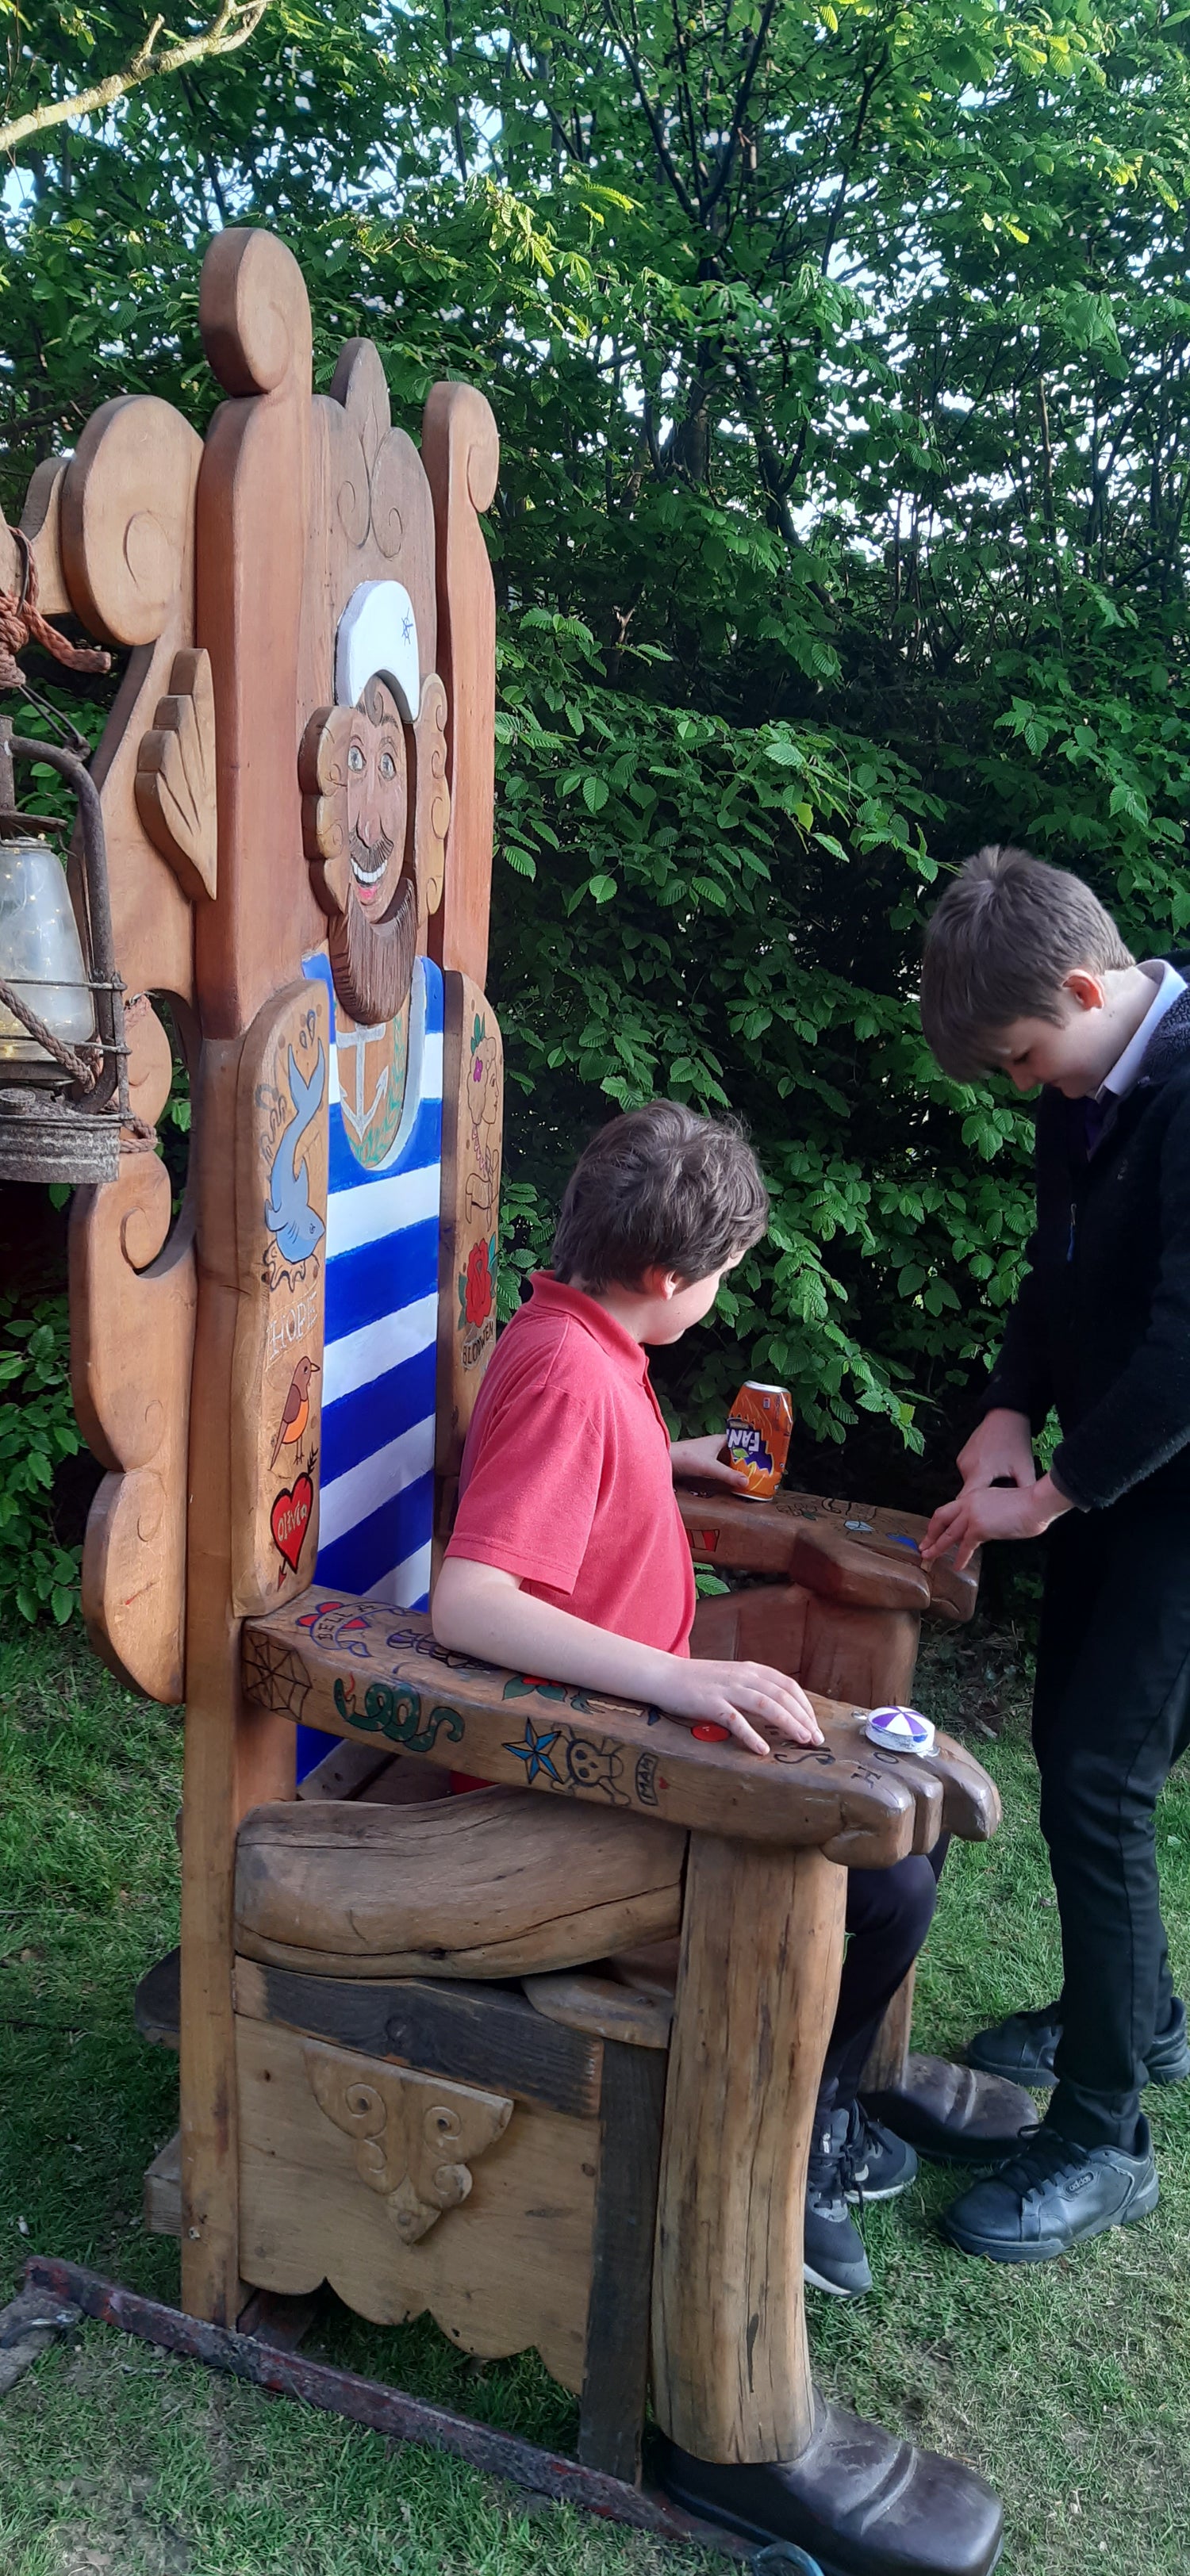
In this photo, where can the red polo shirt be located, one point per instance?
(566, 1478)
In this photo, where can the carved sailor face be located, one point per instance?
(376, 799)
(354, 820)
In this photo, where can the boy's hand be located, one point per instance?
(700, 1460)
(731, 1694)
(1002, 1447)
(992, 1511)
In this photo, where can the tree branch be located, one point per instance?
(237, 20)
(656, 129)
(740, 109)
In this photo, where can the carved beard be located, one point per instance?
(372, 961)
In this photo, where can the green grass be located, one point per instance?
(1069, 2384)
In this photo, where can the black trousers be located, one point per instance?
(889, 1912)
(1111, 1714)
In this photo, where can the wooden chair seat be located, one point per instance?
(497, 1884)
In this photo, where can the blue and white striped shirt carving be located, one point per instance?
(379, 1363)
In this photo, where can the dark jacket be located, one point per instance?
(1101, 1327)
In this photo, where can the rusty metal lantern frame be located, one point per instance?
(74, 1137)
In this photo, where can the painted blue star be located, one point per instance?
(535, 1753)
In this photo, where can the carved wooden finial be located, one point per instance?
(253, 311)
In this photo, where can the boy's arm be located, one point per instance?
(1143, 1419)
(1022, 1381)
(992, 1511)
(1000, 1451)
(700, 1461)
(478, 1609)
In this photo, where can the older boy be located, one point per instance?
(569, 1559)
(1024, 970)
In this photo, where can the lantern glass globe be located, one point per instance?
(41, 957)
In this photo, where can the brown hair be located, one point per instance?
(660, 1189)
(999, 947)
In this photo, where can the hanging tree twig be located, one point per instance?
(236, 21)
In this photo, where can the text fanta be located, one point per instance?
(758, 1433)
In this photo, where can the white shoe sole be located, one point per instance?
(834, 2289)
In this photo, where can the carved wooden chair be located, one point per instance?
(405, 2066)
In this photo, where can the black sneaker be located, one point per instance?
(834, 2257)
(1023, 2048)
(1052, 2196)
(874, 2165)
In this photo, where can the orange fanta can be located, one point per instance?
(758, 1433)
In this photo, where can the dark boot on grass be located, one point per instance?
(859, 2501)
(953, 2115)
(1023, 2048)
(1054, 2195)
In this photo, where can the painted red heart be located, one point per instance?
(288, 1519)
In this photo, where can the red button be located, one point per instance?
(708, 1733)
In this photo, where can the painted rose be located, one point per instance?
(478, 1299)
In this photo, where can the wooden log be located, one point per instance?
(607, 2007)
(762, 1944)
(494, 1885)
(616, 2362)
(888, 2056)
(865, 1808)
(485, 2035)
(343, 1772)
(162, 2208)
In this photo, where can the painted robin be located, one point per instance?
(292, 1426)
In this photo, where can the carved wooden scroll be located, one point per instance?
(112, 537)
(416, 2137)
(281, 1190)
(40, 525)
(127, 517)
(472, 1129)
(132, 1302)
(461, 450)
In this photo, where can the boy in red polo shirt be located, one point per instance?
(568, 1557)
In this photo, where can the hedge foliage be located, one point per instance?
(839, 355)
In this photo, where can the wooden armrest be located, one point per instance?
(363, 1670)
(856, 1553)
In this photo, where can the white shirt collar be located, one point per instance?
(1125, 1071)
